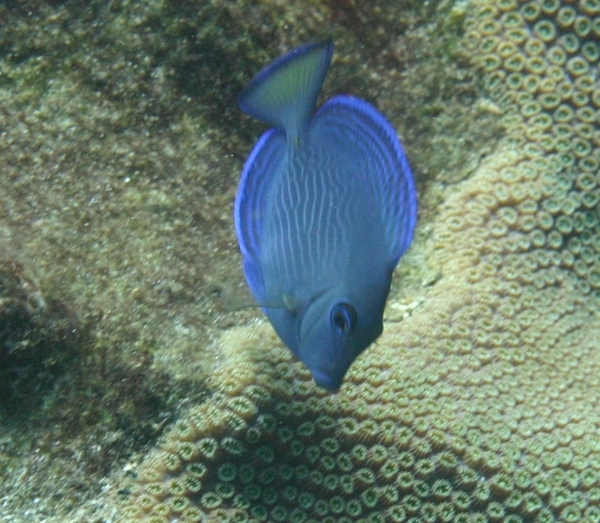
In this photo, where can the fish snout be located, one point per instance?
(326, 380)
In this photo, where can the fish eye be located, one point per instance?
(343, 317)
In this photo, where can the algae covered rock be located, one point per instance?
(38, 338)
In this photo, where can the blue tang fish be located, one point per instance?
(325, 209)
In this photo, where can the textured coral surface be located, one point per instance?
(121, 147)
(483, 404)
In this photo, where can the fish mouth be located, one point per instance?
(326, 380)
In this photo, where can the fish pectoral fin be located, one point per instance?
(290, 302)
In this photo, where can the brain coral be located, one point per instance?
(483, 405)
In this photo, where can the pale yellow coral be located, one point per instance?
(483, 404)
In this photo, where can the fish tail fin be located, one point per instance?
(284, 94)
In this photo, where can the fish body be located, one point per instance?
(325, 209)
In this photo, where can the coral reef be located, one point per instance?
(121, 147)
(480, 406)
(119, 164)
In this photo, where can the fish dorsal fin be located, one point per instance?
(284, 94)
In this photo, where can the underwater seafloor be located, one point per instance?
(131, 389)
